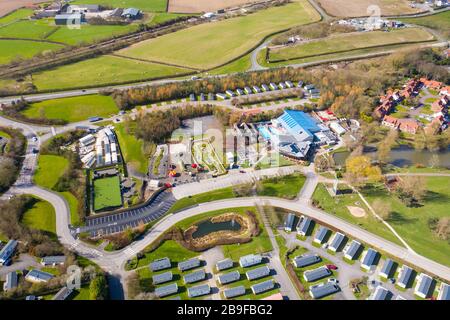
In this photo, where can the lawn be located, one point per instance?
(338, 207)
(219, 194)
(107, 193)
(41, 216)
(349, 42)
(73, 206)
(12, 49)
(286, 187)
(144, 5)
(100, 71)
(50, 169)
(440, 22)
(216, 43)
(73, 109)
(412, 223)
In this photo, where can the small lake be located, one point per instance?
(208, 227)
(404, 156)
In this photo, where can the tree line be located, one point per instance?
(11, 157)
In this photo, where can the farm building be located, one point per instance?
(189, 264)
(423, 286)
(321, 235)
(380, 293)
(387, 269)
(258, 273)
(53, 261)
(404, 276)
(194, 276)
(7, 252)
(234, 292)
(250, 260)
(131, 13)
(351, 250)
(290, 222)
(11, 281)
(444, 292)
(323, 290)
(336, 242)
(263, 286)
(162, 277)
(62, 294)
(229, 277)
(303, 226)
(306, 260)
(224, 264)
(369, 259)
(37, 276)
(200, 290)
(160, 264)
(166, 290)
(316, 274)
(72, 19)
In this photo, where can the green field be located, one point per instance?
(440, 22)
(219, 194)
(338, 206)
(73, 109)
(102, 71)
(30, 29)
(350, 42)
(412, 223)
(41, 216)
(144, 5)
(12, 49)
(50, 169)
(215, 43)
(286, 187)
(16, 15)
(107, 193)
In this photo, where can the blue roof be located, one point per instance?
(131, 11)
(294, 119)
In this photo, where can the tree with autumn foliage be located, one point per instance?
(359, 170)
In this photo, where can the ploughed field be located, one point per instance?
(358, 8)
(192, 6)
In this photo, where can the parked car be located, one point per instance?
(333, 280)
(332, 267)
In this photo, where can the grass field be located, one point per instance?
(219, 194)
(338, 206)
(216, 43)
(440, 22)
(50, 169)
(350, 42)
(144, 5)
(73, 109)
(41, 216)
(16, 15)
(286, 187)
(344, 8)
(12, 49)
(412, 223)
(36, 29)
(107, 193)
(101, 71)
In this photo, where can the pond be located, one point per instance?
(208, 227)
(404, 156)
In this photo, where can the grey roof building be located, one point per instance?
(306, 260)
(131, 13)
(387, 269)
(289, 84)
(162, 277)
(444, 292)
(369, 259)
(248, 90)
(258, 273)
(351, 251)
(265, 87)
(30, 298)
(256, 89)
(166, 290)
(38, 276)
(404, 276)
(7, 252)
(200, 290)
(224, 264)
(160, 264)
(250, 260)
(380, 293)
(290, 222)
(234, 292)
(53, 260)
(336, 242)
(323, 290)
(229, 277)
(62, 294)
(273, 86)
(11, 281)
(423, 286)
(321, 234)
(263, 286)
(189, 264)
(303, 225)
(194, 276)
(316, 274)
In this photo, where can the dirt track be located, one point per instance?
(358, 8)
(195, 6)
(6, 6)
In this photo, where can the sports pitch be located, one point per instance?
(107, 193)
